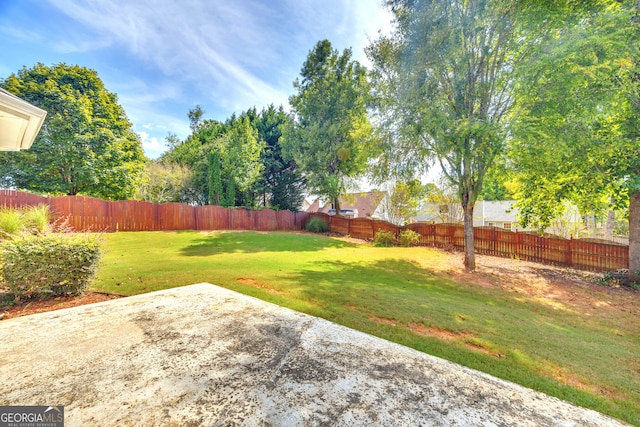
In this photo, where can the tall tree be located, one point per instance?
(403, 201)
(628, 159)
(330, 134)
(86, 145)
(455, 60)
(444, 84)
(195, 118)
(216, 194)
(574, 141)
(240, 150)
(281, 185)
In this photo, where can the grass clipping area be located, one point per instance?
(543, 327)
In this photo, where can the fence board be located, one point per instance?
(87, 213)
(286, 220)
(242, 219)
(266, 220)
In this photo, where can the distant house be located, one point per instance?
(500, 213)
(353, 205)
(495, 213)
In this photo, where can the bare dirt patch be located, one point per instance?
(562, 288)
(382, 320)
(559, 287)
(25, 308)
(256, 284)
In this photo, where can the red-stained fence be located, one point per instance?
(526, 246)
(87, 213)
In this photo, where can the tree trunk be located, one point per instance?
(469, 249)
(336, 205)
(634, 236)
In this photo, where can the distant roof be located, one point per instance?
(497, 210)
(366, 203)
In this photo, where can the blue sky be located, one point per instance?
(163, 57)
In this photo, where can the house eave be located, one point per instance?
(20, 122)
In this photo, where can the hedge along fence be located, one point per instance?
(87, 213)
(526, 246)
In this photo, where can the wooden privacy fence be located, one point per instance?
(526, 246)
(87, 213)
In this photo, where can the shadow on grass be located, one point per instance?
(390, 288)
(255, 242)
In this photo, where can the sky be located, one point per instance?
(164, 57)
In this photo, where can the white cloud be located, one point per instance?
(217, 45)
(151, 145)
(20, 34)
(167, 56)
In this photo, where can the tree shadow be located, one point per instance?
(404, 291)
(382, 286)
(255, 242)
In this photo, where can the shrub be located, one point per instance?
(34, 219)
(49, 264)
(408, 238)
(10, 222)
(37, 218)
(384, 239)
(316, 225)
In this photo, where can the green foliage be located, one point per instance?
(32, 219)
(574, 141)
(49, 264)
(195, 117)
(237, 148)
(229, 199)
(616, 279)
(86, 145)
(403, 201)
(244, 149)
(566, 128)
(215, 179)
(281, 184)
(316, 225)
(10, 222)
(384, 239)
(164, 182)
(37, 219)
(408, 238)
(330, 137)
(443, 88)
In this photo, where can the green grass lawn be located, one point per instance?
(593, 361)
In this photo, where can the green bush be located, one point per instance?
(10, 222)
(316, 225)
(409, 238)
(33, 219)
(384, 238)
(37, 219)
(49, 264)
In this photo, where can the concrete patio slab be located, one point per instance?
(202, 355)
